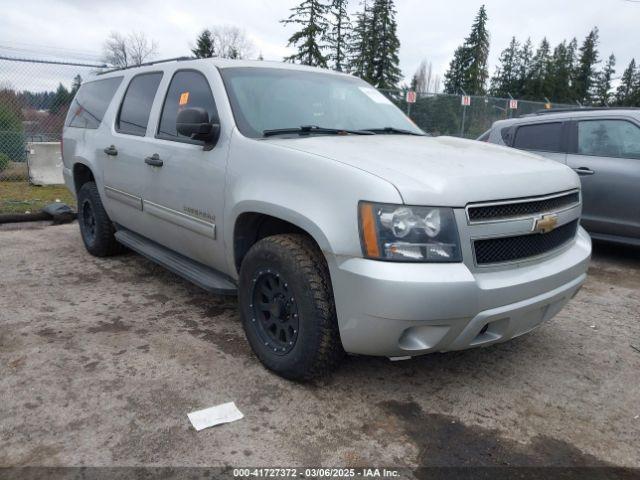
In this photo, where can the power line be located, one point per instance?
(40, 50)
(51, 62)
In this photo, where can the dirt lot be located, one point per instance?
(102, 360)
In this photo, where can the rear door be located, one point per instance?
(85, 133)
(606, 155)
(124, 167)
(185, 191)
(543, 138)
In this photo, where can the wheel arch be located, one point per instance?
(82, 174)
(256, 221)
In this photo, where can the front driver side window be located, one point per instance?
(609, 138)
(188, 89)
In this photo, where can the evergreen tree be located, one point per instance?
(477, 72)
(629, 89)
(61, 100)
(205, 46)
(311, 16)
(561, 72)
(505, 80)
(454, 77)
(524, 65)
(384, 67)
(75, 86)
(339, 36)
(360, 50)
(602, 89)
(585, 74)
(538, 85)
(468, 69)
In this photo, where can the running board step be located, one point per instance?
(195, 272)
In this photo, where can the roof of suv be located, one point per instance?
(187, 62)
(562, 114)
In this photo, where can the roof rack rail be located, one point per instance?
(575, 109)
(166, 60)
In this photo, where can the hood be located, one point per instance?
(442, 171)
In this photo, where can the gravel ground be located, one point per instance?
(102, 359)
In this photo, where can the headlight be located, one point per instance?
(409, 234)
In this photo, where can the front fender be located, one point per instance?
(314, 193)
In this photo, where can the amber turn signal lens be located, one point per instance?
(369, 233)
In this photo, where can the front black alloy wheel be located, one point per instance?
(88, 220)
(275, 312)
(287, 308)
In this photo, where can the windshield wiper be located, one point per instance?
(399, 131)
(309, 129)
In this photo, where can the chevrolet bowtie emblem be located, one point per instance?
(545, 223)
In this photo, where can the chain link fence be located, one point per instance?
(34, 98)
(445, 114)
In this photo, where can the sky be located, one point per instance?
(428, 29)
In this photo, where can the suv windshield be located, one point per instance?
(267, 99)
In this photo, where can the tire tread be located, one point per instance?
(106, 244)
(309, 260)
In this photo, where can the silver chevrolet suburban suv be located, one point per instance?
(341, 225)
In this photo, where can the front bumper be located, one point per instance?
(403, 309)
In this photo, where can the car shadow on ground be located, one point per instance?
(613, 252)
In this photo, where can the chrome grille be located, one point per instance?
(515, 209)
(508, 249)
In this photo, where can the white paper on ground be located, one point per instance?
(209, 417)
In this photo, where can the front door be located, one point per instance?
(606, 155)
(184, 193)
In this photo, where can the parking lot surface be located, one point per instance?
(102, 359)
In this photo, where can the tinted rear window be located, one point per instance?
(541, 136)
(91, 102)
(136, 106)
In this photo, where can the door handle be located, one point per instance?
(111, 150)
(584, 171)
(154, 160)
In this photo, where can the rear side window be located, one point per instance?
(136, 106)
(506, 134)
(188, 89)
(541, 136)
(609, 138)
(91, 102)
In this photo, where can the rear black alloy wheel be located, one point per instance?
(96, 227)
(275, 311)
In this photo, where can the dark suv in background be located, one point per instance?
(603, 146)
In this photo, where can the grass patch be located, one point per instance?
(16, 171)
(21, 197)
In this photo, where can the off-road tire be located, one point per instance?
(302, 268)
(96, 228)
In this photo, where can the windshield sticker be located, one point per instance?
(184, 98)
(375, 95)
